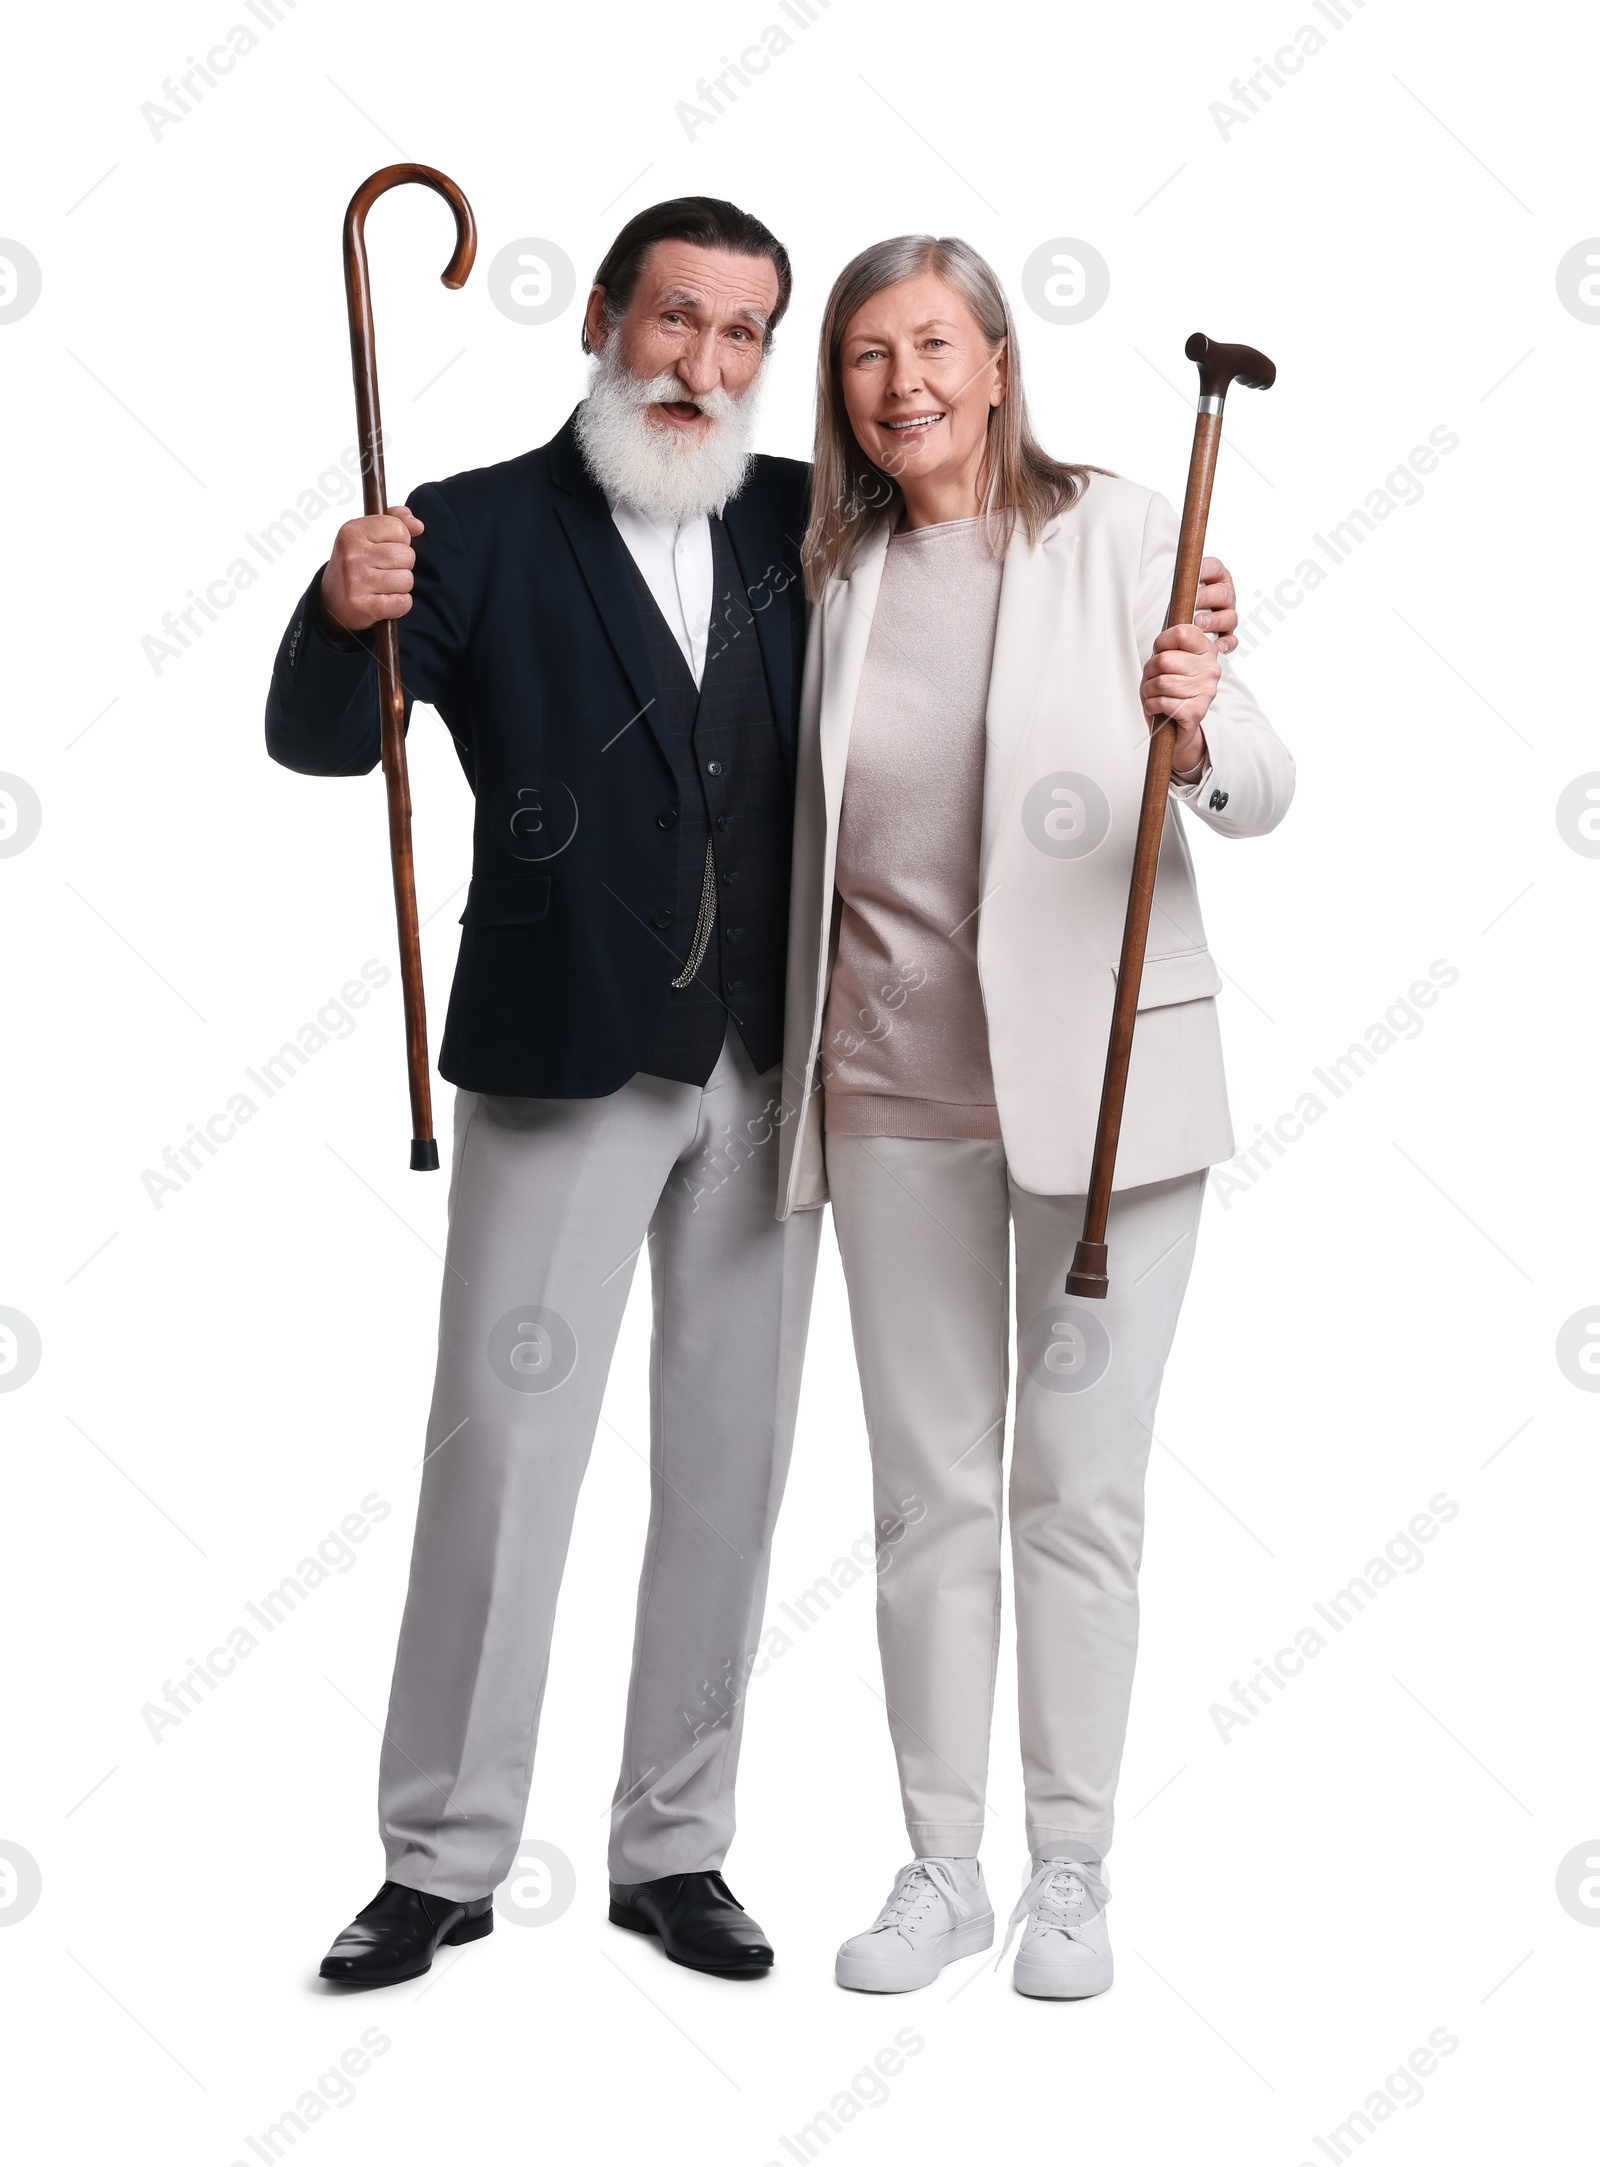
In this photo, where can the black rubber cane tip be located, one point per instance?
(424, 1155)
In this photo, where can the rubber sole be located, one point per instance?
(871, 1975)
(624, 1915)
(1038, 1987)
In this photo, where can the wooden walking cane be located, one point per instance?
(1220, 366)
(391, 696)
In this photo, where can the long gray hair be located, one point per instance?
(850, 497)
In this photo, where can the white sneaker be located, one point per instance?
(1065, 1954)
(938, 1910)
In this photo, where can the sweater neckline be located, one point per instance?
(939, 527)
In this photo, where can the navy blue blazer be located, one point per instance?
(524, 632)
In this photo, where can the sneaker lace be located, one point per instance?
(1062, 1897)
(914, 1885)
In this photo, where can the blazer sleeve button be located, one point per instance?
(661, 920)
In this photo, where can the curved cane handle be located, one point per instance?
(358, 293)
(454, 274)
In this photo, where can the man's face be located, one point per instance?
(699, 314)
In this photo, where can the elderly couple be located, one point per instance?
(805, 803)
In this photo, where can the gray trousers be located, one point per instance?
(923, 1233)
(550, 1202)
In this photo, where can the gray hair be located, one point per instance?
(850, 497)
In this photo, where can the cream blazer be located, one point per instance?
(1063, 777)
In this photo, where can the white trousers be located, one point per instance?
(923, 1231)
(550, 1202)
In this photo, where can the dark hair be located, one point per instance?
(708, 222)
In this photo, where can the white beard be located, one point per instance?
(663, 472)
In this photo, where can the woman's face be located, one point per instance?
(919, 379)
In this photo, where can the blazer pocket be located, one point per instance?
(1187, 975)
(507, 902)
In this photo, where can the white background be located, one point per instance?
(1372, 1323)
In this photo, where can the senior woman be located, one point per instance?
(985, 656)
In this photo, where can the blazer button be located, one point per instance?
(727, 880)
(666, 818)
(736, 985)
(713, 767)
(733, 932)
(661, 920)
(722, 824)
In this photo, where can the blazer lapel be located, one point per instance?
(1033, 594)
(757, 558)
(587, 523)
(848, 609)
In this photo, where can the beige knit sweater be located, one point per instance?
(905, 1045)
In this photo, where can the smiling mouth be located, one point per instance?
(912, 425)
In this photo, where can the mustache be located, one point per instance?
(670, 390)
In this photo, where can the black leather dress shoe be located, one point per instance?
(699, 1923)
(398, 1933)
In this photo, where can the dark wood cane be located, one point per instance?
(1220, 366)
(391, 697)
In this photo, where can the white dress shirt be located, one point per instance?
(676, 565)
